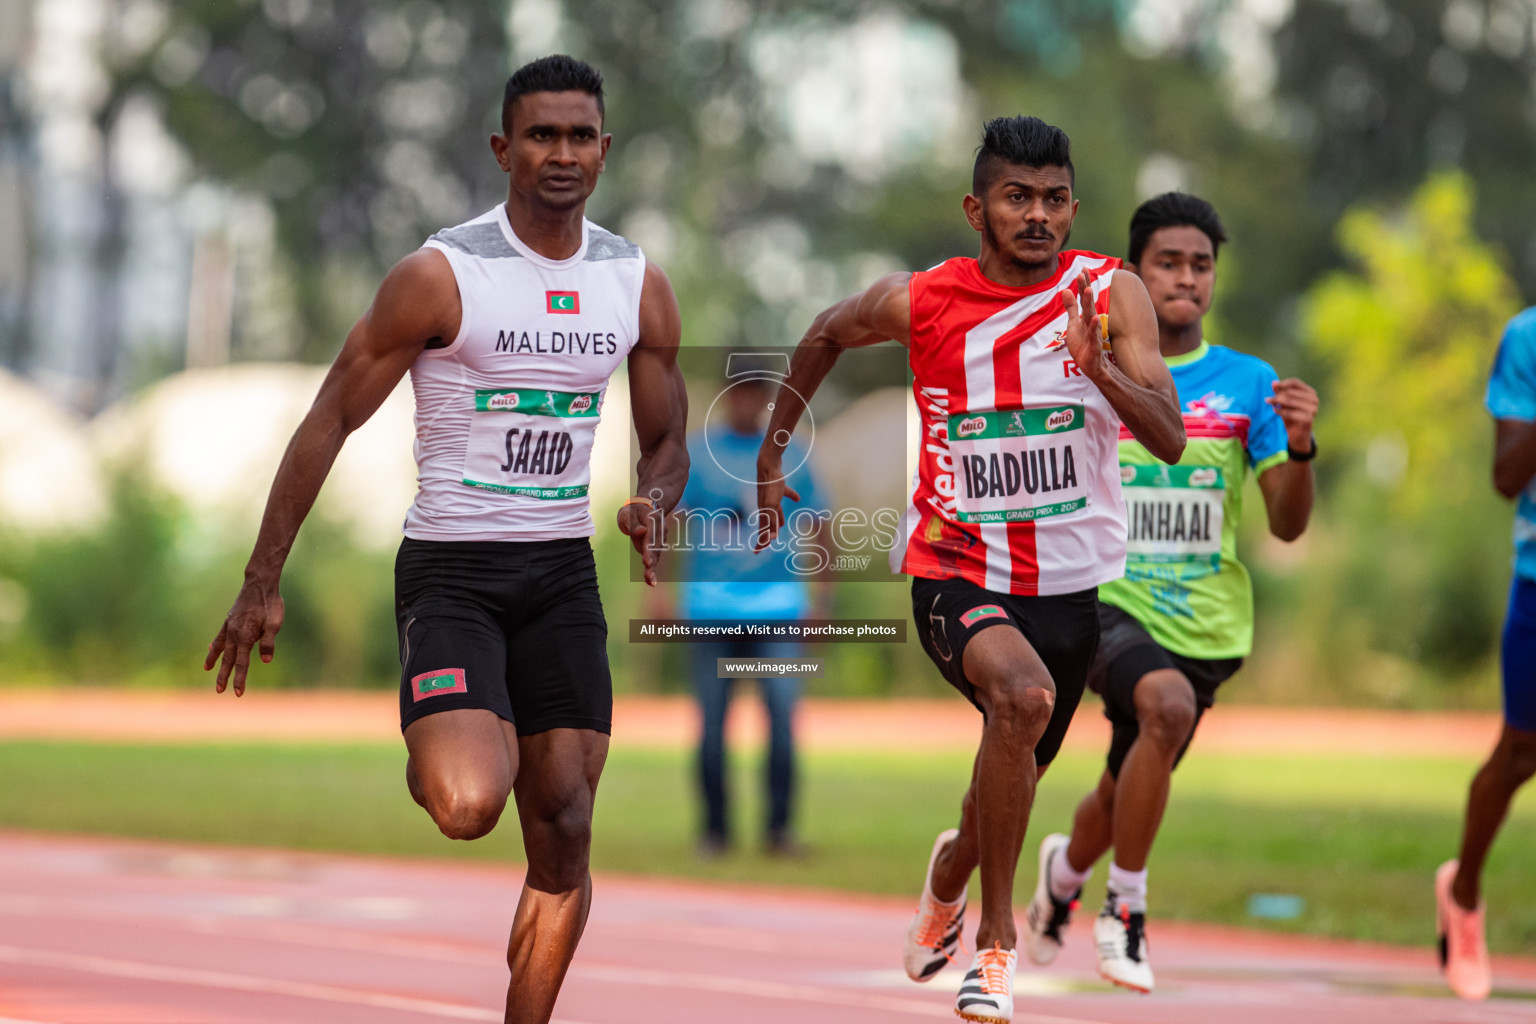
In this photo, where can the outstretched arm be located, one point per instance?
(659, 400)
(882, 312)
(417, 303)
(1137, 382)
(1287, 488)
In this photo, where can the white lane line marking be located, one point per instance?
(17, 1020)
(620, 975)
(240, 982)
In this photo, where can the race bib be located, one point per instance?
(1173, 513)
(1018, 465)
(534, 443)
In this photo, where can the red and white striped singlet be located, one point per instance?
(1018, 482)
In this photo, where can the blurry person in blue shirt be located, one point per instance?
(1511, 401)
(727, 580)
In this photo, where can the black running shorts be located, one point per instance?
(1062, 628)
(1126, 653)
(514, 627)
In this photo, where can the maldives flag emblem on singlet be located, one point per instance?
(563, 302)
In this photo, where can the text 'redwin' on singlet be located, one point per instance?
(1018, 482)
(506, 414)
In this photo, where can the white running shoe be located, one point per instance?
(1121, 937)
(986, 994)
(1047, 917)
(933, 937)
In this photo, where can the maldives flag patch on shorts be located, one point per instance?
(563, 302)
(439, 681)
(985, 611)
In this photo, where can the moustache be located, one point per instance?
(1036, 234)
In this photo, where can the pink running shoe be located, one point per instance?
(1463, 951)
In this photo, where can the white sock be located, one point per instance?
(1129, 888)
(1064, 881)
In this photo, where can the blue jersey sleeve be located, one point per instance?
(1266, 430)
(1512, 385)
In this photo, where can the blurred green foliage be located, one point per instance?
(137, 599)
(1401, 593)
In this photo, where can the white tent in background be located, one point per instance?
(213, 439)
(50, 479)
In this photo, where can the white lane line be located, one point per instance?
(17, 1020)
(619, 975)
(240, 982)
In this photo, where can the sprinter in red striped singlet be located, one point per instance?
(1016, 515)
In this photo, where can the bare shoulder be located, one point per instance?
(885, 307)
(661, 323)
(418, 299)
(1122, 281)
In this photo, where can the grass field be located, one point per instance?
(1357, 838)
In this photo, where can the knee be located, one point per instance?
(1023, 705)
(1519, 757)
(466, 812)
(1166, 711)
(559, 848)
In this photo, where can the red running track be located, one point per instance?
(117, 932)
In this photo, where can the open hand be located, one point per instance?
(643, 524)
(253, 621)
(771, 492)
(1085, 329)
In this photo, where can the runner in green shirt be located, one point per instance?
(1181, 621)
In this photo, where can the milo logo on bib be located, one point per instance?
(579, 405)
(502, 401)
(1018, 465)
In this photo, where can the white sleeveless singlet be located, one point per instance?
(506, 414)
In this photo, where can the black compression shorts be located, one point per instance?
(1126, 653)
(514, 627)
(1062, 628)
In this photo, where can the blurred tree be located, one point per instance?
(1408, 504)
(1382, 92)
(363, 122)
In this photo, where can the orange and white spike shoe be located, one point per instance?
(986, 994)
(1463, 949)
(933, 937)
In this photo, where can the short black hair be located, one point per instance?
(555, 73)
(1173, 210)
(1023, 141)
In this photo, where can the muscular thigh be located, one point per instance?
(467, 752)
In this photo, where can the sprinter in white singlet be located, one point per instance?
(510, 326)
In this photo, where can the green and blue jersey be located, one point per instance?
(1183, 581)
